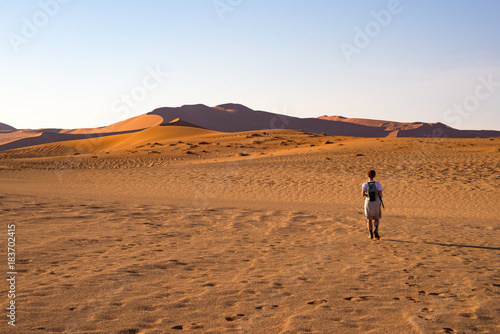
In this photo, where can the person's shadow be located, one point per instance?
(443, 244)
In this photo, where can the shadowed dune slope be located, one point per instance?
(180, 122)
(233, 117)
(156, 133)
(120, 142)
(415, 129)
(237, 118)
(10, 136)
(388, 125)
(28, 138)
(136, 123)
(6, 127)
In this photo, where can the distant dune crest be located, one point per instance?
(6, 127)
(180, 122)
(414, 129)
(233, 117)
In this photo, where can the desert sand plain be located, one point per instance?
(180, 229)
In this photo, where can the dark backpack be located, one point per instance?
(372, 191)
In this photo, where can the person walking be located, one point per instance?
(372, 191)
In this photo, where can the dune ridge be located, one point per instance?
(6, 127)
(27, 138)
(233, 117)
(416, 129)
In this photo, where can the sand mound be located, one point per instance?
(156, 134)
(180, 122)
(388, 125)
(10, 136)
(136, 123)
(128, 141)
(27, 138)
(36, 138)
(6, 127)
(233, 118)
(415, 129)
(237, 118)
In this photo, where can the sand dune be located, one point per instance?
(415, 129)
(271, 241)
(235, 117)
(180, 122)
(6, 127)
(10, 136)
(132, 124)
(23, 138)
(26, 138)
(388, 126)
(238, 118)
(154, 137)
(165, 142)
(154, 134)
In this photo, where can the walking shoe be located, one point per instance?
(371, 235)
(376, 234)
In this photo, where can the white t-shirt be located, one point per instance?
(364, 187)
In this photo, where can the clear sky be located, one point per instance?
(87, 63)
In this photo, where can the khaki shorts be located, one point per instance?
(373, 210)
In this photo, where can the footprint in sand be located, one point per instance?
(360, 298)
(413, 299)
(235, 317)
(436, 294)
(468, 315)
(209, 284)
(129, 331)
(196, 325)
(317, 302)
(148, 308)
(411, 284)
(267, 307)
